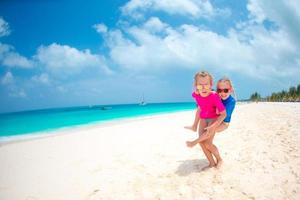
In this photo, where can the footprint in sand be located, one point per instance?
(95, 195)
(217, 179)
(293, 172)
(286, 159)
(295, 156)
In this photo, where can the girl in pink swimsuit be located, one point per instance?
(209, 102)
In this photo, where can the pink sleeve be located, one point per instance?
(219, 103)
(194, 94)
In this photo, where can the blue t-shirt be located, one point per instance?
(229, 104)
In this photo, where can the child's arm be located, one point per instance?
(198, 111)
(222, 114)
(216, 123)
(197, 116)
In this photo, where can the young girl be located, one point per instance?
(208, 102)
(224, 89)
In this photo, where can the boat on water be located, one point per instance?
(106, 108)
(143, 102)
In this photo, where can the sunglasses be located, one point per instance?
(223, 90)
(202, 86)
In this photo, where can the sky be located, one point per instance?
(63, 53)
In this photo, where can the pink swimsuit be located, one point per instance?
(209, 105)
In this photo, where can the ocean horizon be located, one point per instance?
(42, 121)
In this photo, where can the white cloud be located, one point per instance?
(42, 78)
(189, 8)
(66, 60)
(251, 49)
(100, 28)
(13, 59)
(256, 12)
(18, 93)
(147, 53)
(284, 14)
(279, 48)
(12, 87)
(4, 28)
(10, 58)
(4, 48)
(155, 25)
(61, 89)
(8, 78)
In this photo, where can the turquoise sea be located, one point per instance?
(42, 121)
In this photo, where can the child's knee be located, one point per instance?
(202, 144)
(208, 145)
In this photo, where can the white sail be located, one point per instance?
(143, 102)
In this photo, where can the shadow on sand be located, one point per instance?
(191, 166)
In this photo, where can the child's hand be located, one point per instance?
(209, 128)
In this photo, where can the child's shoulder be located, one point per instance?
(214, 94)
(232, 99)
(195, 93)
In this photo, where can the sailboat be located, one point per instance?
(143, 102)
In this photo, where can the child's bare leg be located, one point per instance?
(200, 139)
(196, 122)
(213, 149)
(222, 127)
(206, 152)
(205, 134)
(201, 125)
(192, 143)
(208, 155)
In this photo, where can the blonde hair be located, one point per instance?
(203, 74)
(226, 79)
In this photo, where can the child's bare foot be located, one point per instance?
(219, 163)
(192, 128)
(209, 166)
(190, 144)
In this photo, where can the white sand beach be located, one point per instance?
(147, 159)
